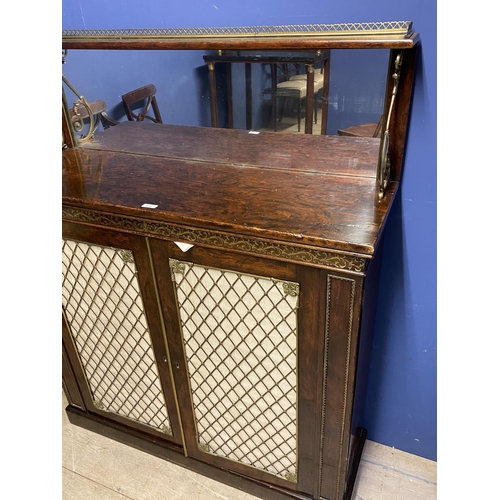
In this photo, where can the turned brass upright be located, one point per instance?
(384, 164)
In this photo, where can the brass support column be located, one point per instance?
(384, 163)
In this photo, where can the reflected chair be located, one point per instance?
(145, 96)
(295, 88)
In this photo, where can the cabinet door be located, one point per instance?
(113, 334)
(247, 362)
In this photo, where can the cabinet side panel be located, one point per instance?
(369, 309)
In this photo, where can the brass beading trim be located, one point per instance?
(346, 378)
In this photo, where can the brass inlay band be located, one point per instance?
(277, 250)
(346, 379)
(325, 374)
(400, 28)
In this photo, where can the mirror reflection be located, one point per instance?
(334, 92)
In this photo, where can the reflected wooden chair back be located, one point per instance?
(294, 87)
(146, 94)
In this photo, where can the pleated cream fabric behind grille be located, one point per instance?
(240, 338)
(103, 305)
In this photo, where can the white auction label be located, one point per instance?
(183, 246)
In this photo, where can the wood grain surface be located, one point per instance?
(304, 192)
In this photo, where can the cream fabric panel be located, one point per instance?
(104, 308)
(240, 338)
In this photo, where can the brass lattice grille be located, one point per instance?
(105, 313)
(240, 337)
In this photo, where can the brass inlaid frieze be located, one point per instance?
(280, 251)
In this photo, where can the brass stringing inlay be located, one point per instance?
(325, 374)
(288, 252)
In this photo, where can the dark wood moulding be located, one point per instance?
(317, 42)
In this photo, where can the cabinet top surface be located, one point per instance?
(312, 190)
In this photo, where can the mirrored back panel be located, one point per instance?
(247, 89)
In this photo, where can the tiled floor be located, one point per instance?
(98, 468)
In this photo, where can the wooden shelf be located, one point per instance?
(297, 189)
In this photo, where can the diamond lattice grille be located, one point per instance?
(240, 337)
(105, 313)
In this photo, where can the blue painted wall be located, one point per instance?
(401, 404)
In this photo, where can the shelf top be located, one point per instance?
(317, 191)
(391, 34)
